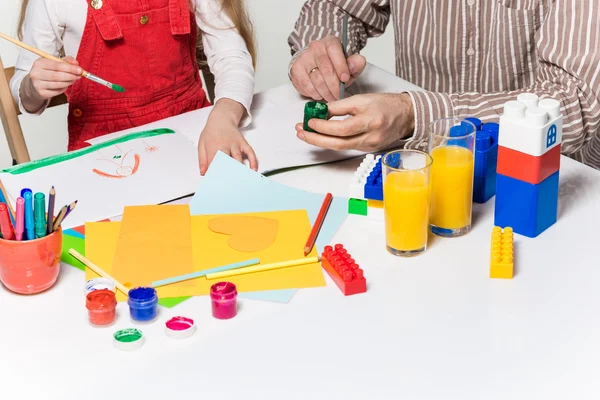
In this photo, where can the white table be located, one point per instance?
(432, 327)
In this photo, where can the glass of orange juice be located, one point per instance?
(406, 191)
(452, 146)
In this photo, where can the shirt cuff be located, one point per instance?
(16, 86)
(428, 107)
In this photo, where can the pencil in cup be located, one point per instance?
(263, 268)
(97, 270)
(47, 56)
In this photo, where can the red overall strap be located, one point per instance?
(106, 21)
(179, 13)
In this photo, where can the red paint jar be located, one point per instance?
(223, 297)
(102, 306)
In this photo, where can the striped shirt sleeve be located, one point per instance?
(320, 18)
(568, 70)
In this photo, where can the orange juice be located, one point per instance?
(406, 207)
(451, 187)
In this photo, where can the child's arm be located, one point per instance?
(231, 64)
(37, 80)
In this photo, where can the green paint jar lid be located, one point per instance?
(128, 339)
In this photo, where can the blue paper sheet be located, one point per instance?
(232, 188)
(277, 296)
(74, 233)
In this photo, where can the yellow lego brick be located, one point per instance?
(375, 203)
(501, 260)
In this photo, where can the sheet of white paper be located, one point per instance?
(137, 172)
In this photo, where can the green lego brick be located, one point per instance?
(357, 207)
(314, 109)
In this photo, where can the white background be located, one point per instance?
(47, 135)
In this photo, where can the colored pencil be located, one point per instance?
(262, 268)
(97, 270)
(7, 201)
(312, 238)
(51, 198)
(47, 56)
(62, 216)
(200, 274)
(59, 218)
(344, 45)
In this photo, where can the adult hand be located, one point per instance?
(221, 133)
(48, 79)
(376, 122)
(317, 72)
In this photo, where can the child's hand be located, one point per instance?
(227, 138)
(48, 79)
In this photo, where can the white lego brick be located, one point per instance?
(530, 126)
(357, 186)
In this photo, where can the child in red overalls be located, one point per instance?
(149, 48)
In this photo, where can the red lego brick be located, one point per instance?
(344, 271)
(527, 168)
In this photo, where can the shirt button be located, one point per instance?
(470, 52)
(471, 2)
(77, 113)
(144, 20)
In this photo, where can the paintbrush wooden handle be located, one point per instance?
(97, 270)
(34, 50)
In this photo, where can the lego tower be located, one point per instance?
(528, 165)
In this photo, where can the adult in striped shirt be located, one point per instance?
(471, 56)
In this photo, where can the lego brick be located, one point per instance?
(530, 126)
(357, 186)
(484, 188)
(314, 109)
(344, 271)
(357, 207)
(476, 122)
(501, 254)
(530, 169)
(529, 209)
(375, 203)
(374, 184)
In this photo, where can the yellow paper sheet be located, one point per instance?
(246, 234)
(154, 243)
(211, 250)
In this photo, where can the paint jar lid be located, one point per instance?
(100, 283)
(128, 339)
(142, 296)
(100, 299)
(180, 328)
(223, 291)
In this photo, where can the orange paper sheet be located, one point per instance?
(246, 234)
(155, 243)
(211, 250)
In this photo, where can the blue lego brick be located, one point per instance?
(529, 209)
(484, 188)
(374, 184)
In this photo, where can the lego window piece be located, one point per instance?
(248, 234)
(551, 137)
(502, 258)
(344, 271)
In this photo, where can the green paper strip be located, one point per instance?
(72, 242)
(44, 162)
(172, 302)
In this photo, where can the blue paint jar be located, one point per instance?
(143, 304)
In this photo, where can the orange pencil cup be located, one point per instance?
(30, 266)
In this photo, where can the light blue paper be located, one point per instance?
(74, 233)
(276, 296)
(230, 187)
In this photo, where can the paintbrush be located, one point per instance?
(344, 45)
(84, 73)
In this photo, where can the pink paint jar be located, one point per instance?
(223, 297)
(30, 266)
